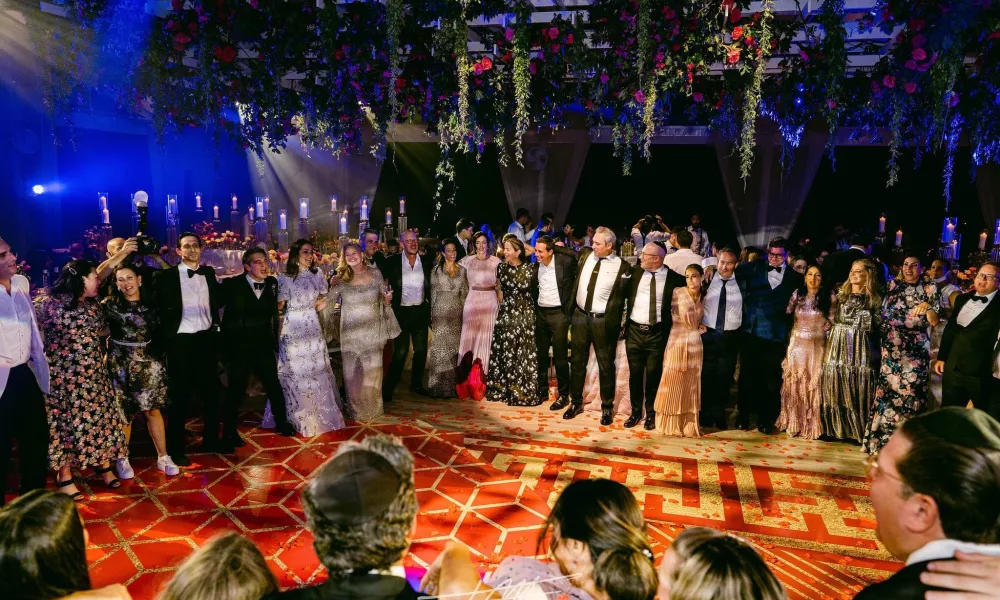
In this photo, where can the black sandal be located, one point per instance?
(77, 496)
(114, 484)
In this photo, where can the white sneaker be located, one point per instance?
(124, 469)
(166, 464)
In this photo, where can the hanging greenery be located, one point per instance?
(751, 100)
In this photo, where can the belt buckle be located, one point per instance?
(644, 327)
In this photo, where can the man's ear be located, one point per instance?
(920, 514)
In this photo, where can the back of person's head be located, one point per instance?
(861, 239)
(42, 547)
(462, 225)
(522, 213)
(684, 238)
(604, 515)
(229, 567)
(361, 506)
(704, 564)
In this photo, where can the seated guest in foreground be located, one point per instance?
(704, 563)
(599, 545)
(229, 567)
(935, 490)
(361, 508)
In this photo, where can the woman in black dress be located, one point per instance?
(512, 377)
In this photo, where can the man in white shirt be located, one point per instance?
(700, 243)
(935, 491)
(679, 261)
(723, 317)
(520, 226)
(599, 295)
(409, 276)
(552, 287)
(24, 376)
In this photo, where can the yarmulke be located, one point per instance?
(969, 428)
(358, 484)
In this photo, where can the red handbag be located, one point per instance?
(475, 385)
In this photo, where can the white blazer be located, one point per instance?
(36, 360)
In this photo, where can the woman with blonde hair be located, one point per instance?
(848, 369)
(366, 322)
(705, 564)
(229, 567)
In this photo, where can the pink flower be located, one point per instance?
(553, 33)
(569, 38)
(698, 97)
(889, 81)
(487, 63)
(919, 40)
(737, 33)
(669, 13)
(953, 101)
(605, 78)
(911, 65)
(477, 69)
(919, 54)
(640, 97)
(555, 48)
(910, 87)
(508, 34)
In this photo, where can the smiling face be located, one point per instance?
(602, 247)
(693, 278)
(128, 283)
(257, 268)
(726, 265)
(306, 257)
(511, 253)
(911, 269)
(858, 276)
(353, 258)
(410, 245)
(651, 257)
(814, 278)
(190, 249)
(450, 253)
(937, 270)
(776, 257)
(8, 262)
(371, 244)
(543, 252)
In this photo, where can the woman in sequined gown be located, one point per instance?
(848, 373)
(449, 288)
(908, 313)
(303, 360)
(366, 323)
(678, 398)
(479, 314)
(513, 378)
(803, 365)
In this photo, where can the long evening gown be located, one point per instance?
(138, 378)
(513, 379)
(480, 312)
(448, 295)
(901, 392)
(848, 376)
(803, 369)
(303, 360)
(678, 399)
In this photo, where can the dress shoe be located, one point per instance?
(560, 404)
(180, 459)
(573, 411)
(632, 421)
(607, 418)
(766, 429)
(650, 422)
(285, 429)
(420, 391)
(236, 441)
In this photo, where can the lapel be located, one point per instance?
(990, 308)
(557, 265)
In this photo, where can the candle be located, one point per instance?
(215, 212)
(388, 216)
(267, 205)
(260, 208)
(171, 204)
(899, 238)
(343, 223)
(333, 204)
(283, 220)
(996, 236)
(948, 234)
(234, 203)
(881, 224)
(251, 213)
(303, 208)
(103, 198)
(982, 240)
(402, 205)
(107, 216)
(364, 208)
(197, 201)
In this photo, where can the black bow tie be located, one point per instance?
(982, 299)
(770, 268)
(202, 270)
(258, 285)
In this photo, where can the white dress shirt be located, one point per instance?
(734, 303)
(640, 310)
(640, 241)
(413, 282)
(700, 245)
(605, 282)
(256, 292)
(774, 277)
(679, 261)
(518, 230)
(548, 288)
(972, 309)
(196, 314)
(945, 548)
(20, 339)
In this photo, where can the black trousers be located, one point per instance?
(994, 407)
(644, 350)
(590, 331)
(552, 329)
(23, 418)
(760, 380)
(261, 361)
(414, 322)
(192, 368)
(957, 389)
(721, 350)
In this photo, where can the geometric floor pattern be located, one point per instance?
(486, 476)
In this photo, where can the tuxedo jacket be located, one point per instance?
(674, 280)
(169, 301)
(392, 272)
(904, 585)
(356, 587)
(616, 302)
(969, 350)
(764, 309)
(247, 320)
(565, 266)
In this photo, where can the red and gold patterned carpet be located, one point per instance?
(487, 475)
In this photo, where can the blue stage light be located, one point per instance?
(38, 189)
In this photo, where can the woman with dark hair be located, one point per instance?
(678, 398)
(303, 359)
(138, 376)
(479, 314)
(599, 546)
(803, 365)
(513, 379)
(449, 289)
(86, 428)
(908, 314)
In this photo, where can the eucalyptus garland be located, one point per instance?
(649, 120)
(895, 136)
(395, 13)
(951, 142)
(751, 100)
(831, 17)
(462, 64)
(522, 88)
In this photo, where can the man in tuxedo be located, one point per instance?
(598, 299)
(410, 277)
(369, 244)
(935, 490)
(723, 318)
(765, 285)
(967, 344)
(647, 327)
(188, 299)
(250, 335)
(552, 288)
(463, 232)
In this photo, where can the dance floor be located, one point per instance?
(487, 476)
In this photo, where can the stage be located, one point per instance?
(486, 475)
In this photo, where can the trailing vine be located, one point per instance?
(831, 18)
(522, 88)
(895, 137)
(394, 15)
(751, 100)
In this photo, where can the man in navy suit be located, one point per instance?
(766, 286)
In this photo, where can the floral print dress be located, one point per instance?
(513, 374)
(85, 423)
(901, 391)
(139, 378)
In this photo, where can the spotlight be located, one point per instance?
(38, 189)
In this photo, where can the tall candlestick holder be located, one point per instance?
(403, 224)
(303, 230)
(173, 220)
(947, 246)
(135, 216)
(235, 218)
(106, 234)
(283, 231)
(216, 222)
(261, 233)
(199, 210)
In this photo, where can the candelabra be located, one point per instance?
(304, 218)
(216, 223)
(199, 212)
(948, 247)
(363, 221)
(235, 220)
(173, 220)
(403, 224)
(283, 230)
(105, 218)
(260, 225)
(880, 239)
(135, 216)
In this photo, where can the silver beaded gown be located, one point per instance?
(448, 295)
(848, 371)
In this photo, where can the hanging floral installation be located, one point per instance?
(341, 76)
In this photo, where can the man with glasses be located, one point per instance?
(967, 358)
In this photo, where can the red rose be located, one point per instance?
(910, 87)
(487, 63)
(226, 53)
(919, 54)
(733, 55)
(737, 32)
(553, 33)
(735, 15)
(698, 97)
(569, 38)
(889, 81)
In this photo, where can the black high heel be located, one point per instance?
(114, 484)
(76, 496)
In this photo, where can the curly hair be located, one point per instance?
(344, 271)
(366, 543)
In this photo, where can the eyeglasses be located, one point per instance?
(873, 471)
(986, 277)
(778, 254)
